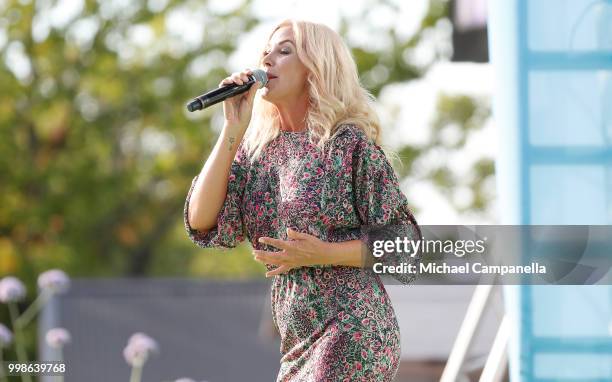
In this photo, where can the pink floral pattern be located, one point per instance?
(336, 322)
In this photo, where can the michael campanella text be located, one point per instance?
(444, 268)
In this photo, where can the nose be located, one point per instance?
(267, 61)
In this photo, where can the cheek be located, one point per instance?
(295, 67)
(298, 76)
(298, 83)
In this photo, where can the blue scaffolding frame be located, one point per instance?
(513, 27)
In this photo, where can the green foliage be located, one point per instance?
(463, 110)
(457, 117)
(379, 67)
(98, 151)
(407, 156)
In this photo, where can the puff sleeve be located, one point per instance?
(382, 208)
(230, 228)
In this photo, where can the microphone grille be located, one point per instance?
(261, 76)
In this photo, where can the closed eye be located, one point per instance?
(285, 51)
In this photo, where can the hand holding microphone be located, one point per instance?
(237, 110)
(237, 83)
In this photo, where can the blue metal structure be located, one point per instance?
(553, 108)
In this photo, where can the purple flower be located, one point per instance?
(57, 338)
(6, 337)
(54, 281)
(11, 289)
(138, 349)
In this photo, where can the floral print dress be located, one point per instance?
(336, 322)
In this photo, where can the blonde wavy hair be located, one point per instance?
(336, 96)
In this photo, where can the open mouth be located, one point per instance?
(270, 79)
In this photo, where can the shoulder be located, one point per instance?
(348, 133)
(354, 141)
(351, 147)
(350, 140)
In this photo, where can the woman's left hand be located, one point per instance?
(301, 250)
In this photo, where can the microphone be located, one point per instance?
(221, 94)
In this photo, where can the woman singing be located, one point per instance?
(297, 170)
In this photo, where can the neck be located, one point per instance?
(293, 114)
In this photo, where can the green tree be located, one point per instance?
(98, 151)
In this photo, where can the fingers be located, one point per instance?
(297, 235)
(267, 257)
(282, 244)
(252, 91)
(280, 270)
(237, 77)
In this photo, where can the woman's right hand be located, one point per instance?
(238, 109)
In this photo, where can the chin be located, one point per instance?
(268, 97)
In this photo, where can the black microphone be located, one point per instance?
(221, 94)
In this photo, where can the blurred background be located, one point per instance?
(98, 152)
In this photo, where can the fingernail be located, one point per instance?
(261, 240)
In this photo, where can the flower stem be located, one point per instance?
(136, 373)
(21, 354)
(29, 314)
(60, 378)
(3, 376)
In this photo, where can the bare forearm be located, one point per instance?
(210, 189)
